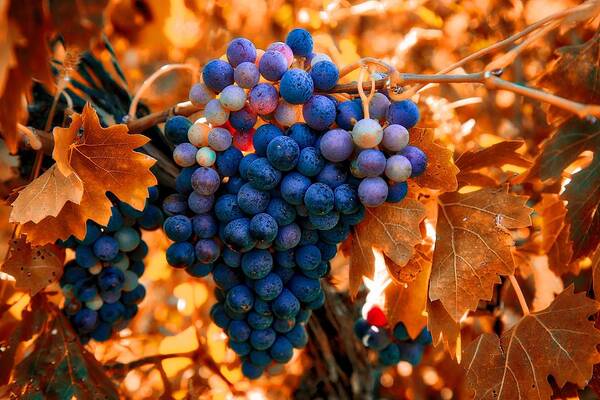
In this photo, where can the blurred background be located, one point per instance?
(418, 36)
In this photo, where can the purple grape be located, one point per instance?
(395, 138)
(240, 50)
(371, 162)
(283, 49)
(378, 106)
(219, 139)
(272, 65)
(200, 94)
(184, 154)
(263, 99)
(233, 98)
(372, 192)
(246, 75)
(398, 168)
(336, 145)
(242, 120)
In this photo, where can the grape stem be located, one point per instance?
(520, 296)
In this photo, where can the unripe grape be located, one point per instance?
(200, 94)
(367, 133)
(395, 138)
(215, 113)
(233, 98)
(287, 114)
(398, 168)
(219, 139)
(206, 157)
(319, 57)
(184, 154)
(198, 134)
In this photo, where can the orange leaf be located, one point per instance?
(441, 171)
(555, 234)
(33, 268)
(46, 196)
(558, 341)
(28, 34)
(497, 155)
(391, 228)
(443, 328)
(406, 303)
(105, 160)
(473, 246)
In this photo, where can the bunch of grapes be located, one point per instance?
(267, 223)
(101, 285)
(391, 349)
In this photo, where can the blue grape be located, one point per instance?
(217, 75)
(262, 175)
(296, 86)
(180, 255)
(252, 200)
(300, 41)
(319, 199)
(325, 75)
(176, 129)
(302, 134)
(257, 264)
(417, 158)
(178, 228)
(283, 153)
(319, 112)
(348, 113)
(405, 113)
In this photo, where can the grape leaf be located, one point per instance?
(473, 246)
(502, 153)
(575, 75)
(443, 328)
(583, 192)
(406, 303)
(392, 228)
(441, 171)
(33, 268)
(33, 320)
(60, 367)
(106, 161)
(558, 341)
(555, 234)
(46, 196)
(583, 197)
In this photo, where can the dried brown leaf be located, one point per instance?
(443, 328)
(559, 341)
(407, 303)
(392, 228)
(441, 171)
(473, 246)
(46, 196)
(69, 370)
(33, 268)
(497, 155)
(106, 161)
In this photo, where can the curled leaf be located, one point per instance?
(391, 228)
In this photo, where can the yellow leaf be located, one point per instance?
(46, 196)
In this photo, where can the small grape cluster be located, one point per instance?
(391, 349)
(101, 285)
(267, 223)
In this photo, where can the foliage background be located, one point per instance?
(417, 36)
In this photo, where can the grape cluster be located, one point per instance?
(391, 349)
(266, 223)
(101, 285)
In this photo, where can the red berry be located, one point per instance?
(376, 317)
(243, 140)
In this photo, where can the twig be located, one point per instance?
(33, 140)
(152, 78)
(125, 367)
(503, 43)
(519, 292)
(139, 125)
